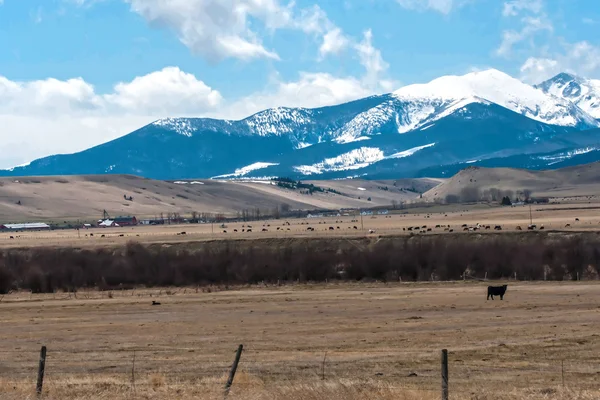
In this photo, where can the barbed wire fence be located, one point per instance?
(442, 374)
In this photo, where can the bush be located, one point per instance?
(531, 255)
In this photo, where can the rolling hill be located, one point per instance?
(575, 181)
(61, 198)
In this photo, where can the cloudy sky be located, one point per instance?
(75, 73)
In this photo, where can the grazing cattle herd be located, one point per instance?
(399, 223)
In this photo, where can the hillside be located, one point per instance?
(61, 198)
(576, 181)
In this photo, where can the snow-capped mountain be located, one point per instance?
(453, 92)
(450, 121)
(585, 93)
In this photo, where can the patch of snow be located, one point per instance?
(247, 169)
(363, 189)
(278, 121)
(302, 145)
(17, 166)
(410, 152)
(366, 123)
(554, 159)
(188, 183)
(471, 161)
(181, 126)
(355, 159)
(343, 140)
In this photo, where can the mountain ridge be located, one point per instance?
(450, 121)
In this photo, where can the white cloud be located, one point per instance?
(371, 59)
(216, 29)
(531, 27)
(163, 93)
(317, 89)
(311, 90)
(334, 42)
(442, 6)
(48, 116)
(580, 58)
(536, 70)
(515, 7)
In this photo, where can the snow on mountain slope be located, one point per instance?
(277, 121)
(247, 169)
(585, 93)
(496, 87)
(410, 152)
(355, 159)
(366, 123)
(179, 125)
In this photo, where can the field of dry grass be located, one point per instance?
(552, 217)
(70, 198)
(379, 342)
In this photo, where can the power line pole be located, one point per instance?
(362, 226)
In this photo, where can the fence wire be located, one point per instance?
(147, 367)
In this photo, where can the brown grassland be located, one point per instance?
(554, 217)
(379, 341)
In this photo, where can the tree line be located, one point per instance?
(528, 256)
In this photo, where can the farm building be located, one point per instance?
(107, 223)
(33, 226)
(126, 221)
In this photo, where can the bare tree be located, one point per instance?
(452, 199)
(469, 195)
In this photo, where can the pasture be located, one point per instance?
(379, 341)
(561, 217)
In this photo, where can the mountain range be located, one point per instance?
(485, 118)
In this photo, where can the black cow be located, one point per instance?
(496, 291)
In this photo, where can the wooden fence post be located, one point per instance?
(41, 368)
(238, 354)
(444, 374)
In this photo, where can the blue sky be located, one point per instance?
(74, 73)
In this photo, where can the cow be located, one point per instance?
(496, 291)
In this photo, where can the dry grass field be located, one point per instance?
(552, 217)
(71, 198)
(379, 342)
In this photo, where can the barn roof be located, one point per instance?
(32, 225)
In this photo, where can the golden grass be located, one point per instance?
(252, 388)
(382, 342)
(552, 216)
